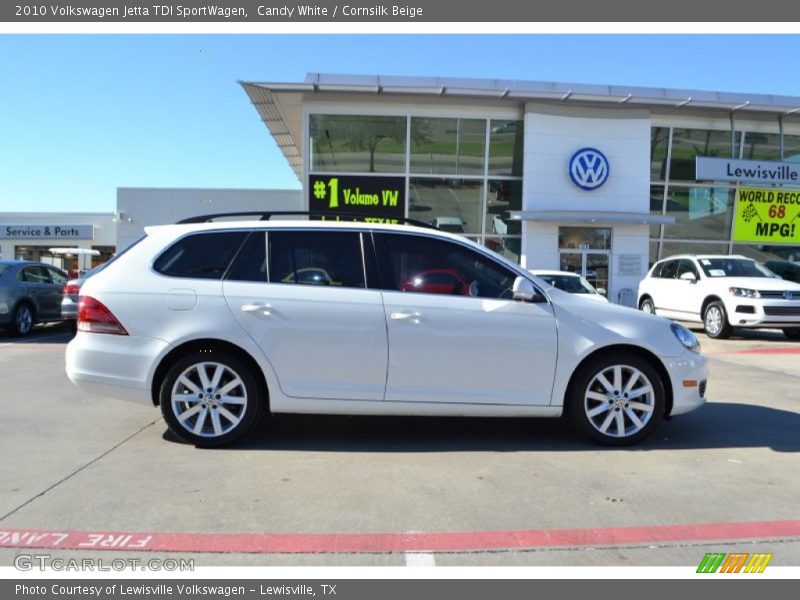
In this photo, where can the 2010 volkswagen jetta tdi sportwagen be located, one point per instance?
(217, 322)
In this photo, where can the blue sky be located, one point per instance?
(81, 115)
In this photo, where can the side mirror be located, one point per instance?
(523, 290)
(689, 277)
(601, 291)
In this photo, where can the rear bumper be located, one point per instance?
(114, 366)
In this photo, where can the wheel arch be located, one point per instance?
(207, 345)
(644, 297)
(708, 300)
(635, 350)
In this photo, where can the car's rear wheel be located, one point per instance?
(210, 399)
(715, 321)
(793, 333)
(23, 319)
(617, 400)
(646, 305)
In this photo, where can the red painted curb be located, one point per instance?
(353, 543)
(793, 350)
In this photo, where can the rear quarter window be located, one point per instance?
(200, 255)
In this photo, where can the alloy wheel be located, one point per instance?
(209, 399)
(619, 401)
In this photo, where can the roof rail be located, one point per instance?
(267, 215)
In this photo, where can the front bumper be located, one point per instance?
(747, 312)
(688, 374)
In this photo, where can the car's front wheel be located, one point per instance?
(646, 305)
(210, 399)
(715, 321)
(793, 333)
(617, 400)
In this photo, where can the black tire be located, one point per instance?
(23, 319)
(646, 305)
(609, 416)
(211, 421)
(715, 321)
(793, 333)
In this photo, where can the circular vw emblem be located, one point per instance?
(788, 295)
(588, 168)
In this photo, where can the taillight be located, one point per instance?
(72, 289)
(94, 317)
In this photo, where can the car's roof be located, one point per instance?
(181, 228)
(705, 256)
(547, 272)
(24, 263)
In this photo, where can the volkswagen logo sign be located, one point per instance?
(788, 295)
(588, 168)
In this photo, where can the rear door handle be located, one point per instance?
(257, 307)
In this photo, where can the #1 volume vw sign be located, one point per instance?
(588, 168)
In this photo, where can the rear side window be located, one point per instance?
(36, 275)
(250, 263)
(201, 255)
(332, 258)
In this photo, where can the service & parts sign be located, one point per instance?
(768, 215)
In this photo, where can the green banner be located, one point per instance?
(767, 215)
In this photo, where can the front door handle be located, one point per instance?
(406, 315)
(257, 307)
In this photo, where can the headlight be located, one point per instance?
(744, 292)
(685, 337)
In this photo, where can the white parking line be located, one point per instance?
(420, 559)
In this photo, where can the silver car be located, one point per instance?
(30, 293)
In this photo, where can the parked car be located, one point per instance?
(571, 283)
(30, 293)
(200, 320)
(71, 292)
(785, 269)
(722, 292)
(451, 224)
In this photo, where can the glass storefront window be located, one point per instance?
(449, 204)
(673, 248)
(659, 144)
(767, 146)
(506, 147)
(656, 204)
(701, 213)
(358, 143)
(584, 238)
(687, 144)
(448, 146)
(653, 254)
(781, 260)
(504, 195)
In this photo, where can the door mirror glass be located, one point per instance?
(523, 290)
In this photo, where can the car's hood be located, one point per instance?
(754, 283)
(586, 324)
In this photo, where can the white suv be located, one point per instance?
(217, 322)
(722, 292)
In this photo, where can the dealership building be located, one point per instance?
(601, 179)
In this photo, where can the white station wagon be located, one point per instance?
(217, 322)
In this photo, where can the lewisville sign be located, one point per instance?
(757, 171)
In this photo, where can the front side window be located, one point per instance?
(58, 277)
(669, 270)
(328, 258)
(418, 264)
(201, 255)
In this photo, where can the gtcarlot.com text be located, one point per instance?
(43, 562)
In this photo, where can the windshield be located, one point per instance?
(569, 283)
(733, 267)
